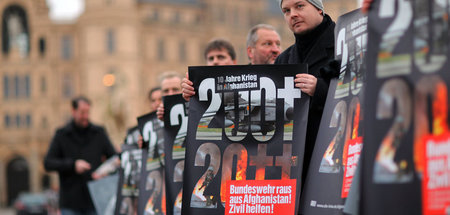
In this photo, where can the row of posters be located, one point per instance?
(246, 130)
(241, 157)
(406, 156)
(129, 174)
(383, 146)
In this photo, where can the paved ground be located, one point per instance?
(7, 211)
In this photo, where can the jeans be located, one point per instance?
(69, 211)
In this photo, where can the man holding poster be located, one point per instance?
(175, 127)
(152, 196)
(314, 45)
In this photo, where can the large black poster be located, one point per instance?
(175, 127)
(339, 141)
(151, 185)
(129, 174)
(406, 154)
(245, 141)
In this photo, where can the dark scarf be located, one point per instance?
(306, 41)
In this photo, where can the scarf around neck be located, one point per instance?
(306, 41)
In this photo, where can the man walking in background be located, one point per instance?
(76, 150)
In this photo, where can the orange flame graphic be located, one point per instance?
(150, 207)
(163, 200)
(440, 110)
(260, 173)
(179, 199)
(439, 124)
(241, 172)
(197, 192)
(356, 121)
(330, 150)
(241, 166)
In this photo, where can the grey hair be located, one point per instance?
(252, 36)
(168, 75)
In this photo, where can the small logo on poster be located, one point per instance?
(313, 203)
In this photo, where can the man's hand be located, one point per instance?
(96, 176)
(186, 86)
(160, 112)
(306, 83)
(366, 6)
(81, 166)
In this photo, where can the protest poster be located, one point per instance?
(339, 140)
(129, 174)
(175, 128)
(103, 194)
(151, 198)
(407, 143)
(245, 140)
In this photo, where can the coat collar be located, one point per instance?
(318, 51)
(70, 127)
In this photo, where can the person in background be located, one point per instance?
(263, 44)
(170, 85)
(263, 47)
(76, 150)
(155, 98)
(218, 52)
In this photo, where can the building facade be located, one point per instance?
(113, 54)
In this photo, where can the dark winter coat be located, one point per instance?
(316, 48)
(68, 145)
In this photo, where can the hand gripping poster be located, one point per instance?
(129, 174)
(151, 186)
(406, 154)
(175, 128)
(339, 140)
(245, 140)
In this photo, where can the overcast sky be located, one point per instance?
(65, 9)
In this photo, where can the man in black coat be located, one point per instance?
(314, 45)
(76, 150)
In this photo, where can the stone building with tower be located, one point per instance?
(113, 54)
